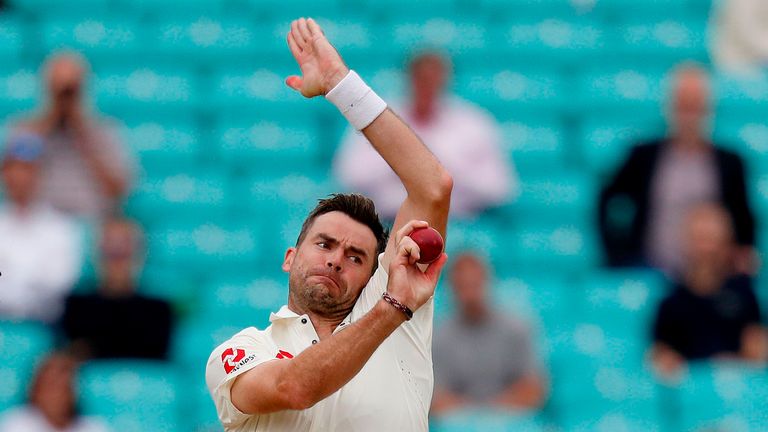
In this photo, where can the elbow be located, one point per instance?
(440, 191)
(297, 396)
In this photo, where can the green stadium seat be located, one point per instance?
(535, 144)
(728, 397)
(102, 40)
(159, 89)
(605, 141)
(269, 145)
(132, 395)
(505, 92)
(480, 420)
(561, 196)
(199, 195)
(20, 89)
(22, 346)
(163, 144)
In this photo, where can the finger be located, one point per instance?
(408, 228)
(304, 29)
(294, 82)
(295, 49)
(314, 28)
(407, 248)
(434, 269)
(297, 36)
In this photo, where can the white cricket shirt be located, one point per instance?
(392, 392)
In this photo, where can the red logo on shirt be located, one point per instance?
(284, 355)
(230, 358)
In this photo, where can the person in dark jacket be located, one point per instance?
(641, 209)
(116, 321)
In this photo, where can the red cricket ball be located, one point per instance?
(430, 244)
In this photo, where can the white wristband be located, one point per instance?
(356, 101)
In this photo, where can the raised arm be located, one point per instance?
(426, 181)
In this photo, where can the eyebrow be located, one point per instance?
(332, 240)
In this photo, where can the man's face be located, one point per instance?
(118, 254)
(428, 77)
(332, 264)
(65, 80)
(709, 238)
(690, 105)
(20, 180)
(469, 280)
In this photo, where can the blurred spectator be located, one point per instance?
(711, 312)
(483, 356)
(85, 169)
(662, 180)
(52, 405)
(464, 138)
(740, 41)
(115, 320)
(40, 249)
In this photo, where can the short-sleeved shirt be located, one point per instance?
(392, 392)
(480, 360)
(698, 327)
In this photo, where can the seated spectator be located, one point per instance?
(86, 171)
(483, 357)
(115, 320)
(661, 180)
(52, 405)
(740, 42)
(712, 312)
(40, 249)
(464, 138)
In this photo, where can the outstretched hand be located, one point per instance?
(321, 65)
(407, 282)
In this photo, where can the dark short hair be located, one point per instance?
(356, 206)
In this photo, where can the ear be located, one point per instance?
(288, 260)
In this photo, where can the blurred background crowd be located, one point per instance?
(610, 160)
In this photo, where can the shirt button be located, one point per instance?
(303, 320)
(314, 341)
(342, 324)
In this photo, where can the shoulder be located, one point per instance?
(90, 424)
(469, 111)
(727, 156)
(18, 419)
(248, 347)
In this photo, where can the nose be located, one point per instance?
(334, 262)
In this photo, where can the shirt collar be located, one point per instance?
(283, 313)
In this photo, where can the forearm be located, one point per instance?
(419, 170)
(325, 367)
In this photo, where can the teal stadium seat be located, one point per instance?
(666, 39)
(272, 146)
(549, 41)
(542, 301)
(606, 140)
(208, 39)
(163, 144)
(480, 420)
(11, 37)
(103, 40)
(198, 248)
(58, 7)
(608, 90)
(562, 196)
(147, 89)
(132, 395)
(535, 144)
(728, 397)
(505, 92)
(191, 196)
(20, 89)
(569, 248)
(241, 299)
(453, 34)
(259, 90)
(22, 346)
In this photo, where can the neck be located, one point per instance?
(324, 323)
(424, 112)
(475, 315)
(690, 143)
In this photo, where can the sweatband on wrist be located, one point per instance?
(357, 102)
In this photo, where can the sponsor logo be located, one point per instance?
(230, 357)
(284, 355)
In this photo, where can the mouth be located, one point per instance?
(327, 280)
